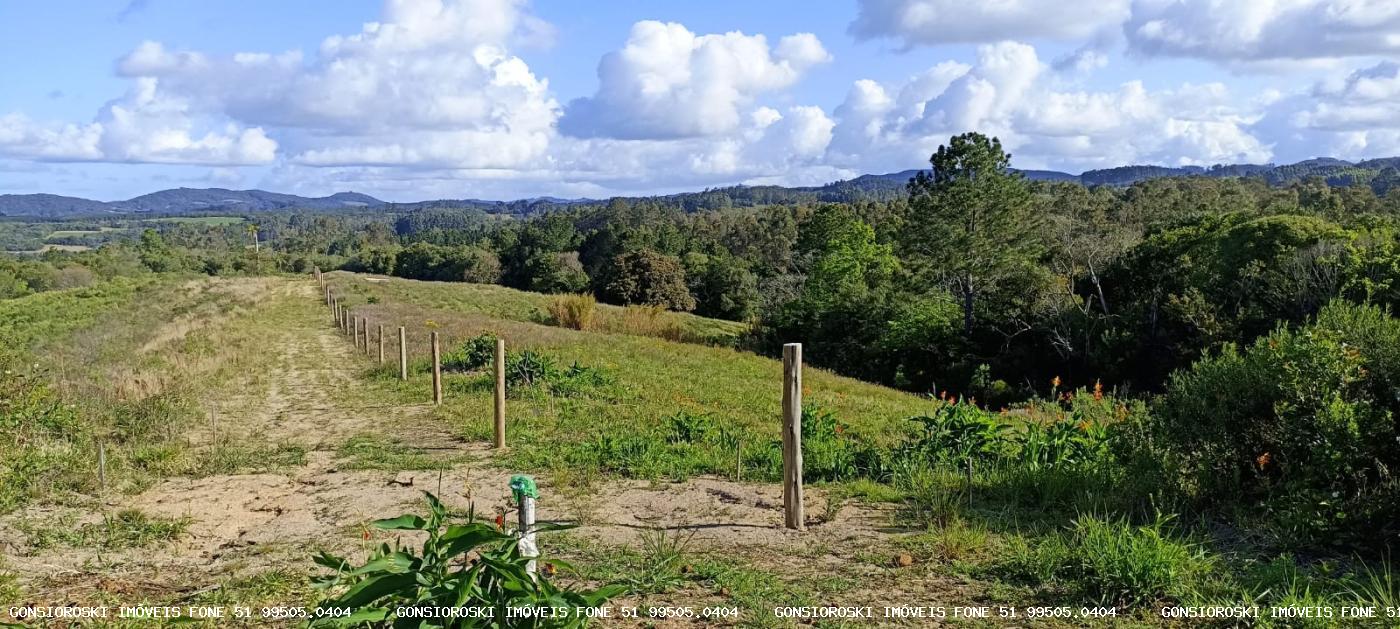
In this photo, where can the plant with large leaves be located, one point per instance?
(462, 565)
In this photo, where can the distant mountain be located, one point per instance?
(178, 201)
(1381, 174)
(48, 205)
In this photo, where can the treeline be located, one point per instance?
(988, 285)
(973, 280)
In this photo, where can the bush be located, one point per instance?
(1298, 429)
(476, 353)
(573, 311)
(958, 433)
(466, 564)
(649, 278)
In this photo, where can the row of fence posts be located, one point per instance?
(794, 514)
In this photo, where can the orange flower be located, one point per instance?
(1098, 390)
(500, 522)
(839, 429)
(1055, 382)
(1263, 460)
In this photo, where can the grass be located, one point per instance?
(379, 452)
(128, 528)
(106, 364)
(499, 302)
(209, 221)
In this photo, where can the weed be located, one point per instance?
(128, 528)
(442, 575)
(662, 556)
(575, 312)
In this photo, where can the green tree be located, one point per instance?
(647, 277)
(970, 224)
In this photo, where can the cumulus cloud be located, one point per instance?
(667, 82)
(431, 84)
(1357, 115)
(1008, 93)
(930, 22)
(1264, 30)
(141, 127)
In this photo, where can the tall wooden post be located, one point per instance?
(355, 330)
(381, 343)
(437, 371)
(102, 466)
(792, 437)
(403, 355)
(500, 368)
(364, 332)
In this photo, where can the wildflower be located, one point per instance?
(1098, 390)
(1263, 460)
(365, 535)
(500, 522)
(1065, 396)
(1055, 382)
(840, 429)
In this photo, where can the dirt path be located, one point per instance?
(308, 397)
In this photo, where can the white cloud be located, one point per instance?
(431, 84)
(667, 82)
(1261, 30)
(24, 138)
(141, 127)
(931, 22)
(1008, 94)
(1356, 116)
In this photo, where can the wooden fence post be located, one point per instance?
(792, 437)
(364, 332)
(381, 343)
(355, 330)
(437, 371)
(102, 466)
(403, 355)
(500, 368)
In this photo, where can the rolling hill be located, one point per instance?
(1381, 174)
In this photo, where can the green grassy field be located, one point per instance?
(592, 414)
(499, 302)
(210, 221)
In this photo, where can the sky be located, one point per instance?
(501, 99)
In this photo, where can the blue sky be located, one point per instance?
(413, 99)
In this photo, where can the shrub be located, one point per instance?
(476, 353)
(575, 312)
(1299, 428)
(444, 574)
(526, 368)
(647, 277)
(958, 433)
